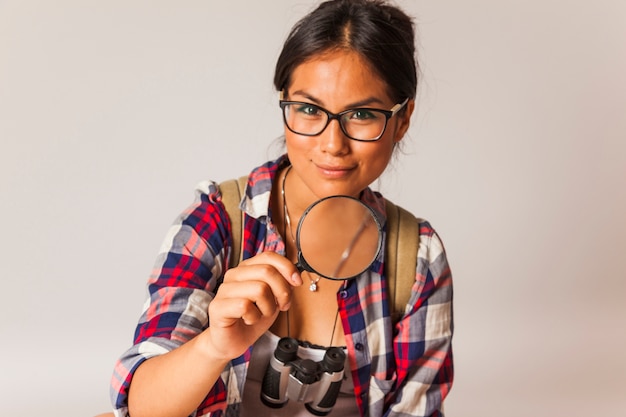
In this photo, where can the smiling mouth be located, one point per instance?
(334, 171)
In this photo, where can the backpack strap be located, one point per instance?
(232, 191)
(400, 257)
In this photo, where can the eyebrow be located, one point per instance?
(361, 103)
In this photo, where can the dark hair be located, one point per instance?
(381, 33)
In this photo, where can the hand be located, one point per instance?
(248, 302)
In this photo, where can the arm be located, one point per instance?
(177, 358)
(175, 383)
(245, 306)
(423, 347)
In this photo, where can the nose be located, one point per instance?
(333, 141)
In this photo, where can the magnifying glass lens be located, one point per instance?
(338, 237)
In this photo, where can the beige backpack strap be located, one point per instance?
(232, 191)
(400, 257)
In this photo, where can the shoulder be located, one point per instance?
(206, 206)
(431, 246)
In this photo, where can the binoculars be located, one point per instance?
(316, 384)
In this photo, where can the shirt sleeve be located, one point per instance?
(183, 282)
(423, 345)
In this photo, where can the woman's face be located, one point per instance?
(331, 163)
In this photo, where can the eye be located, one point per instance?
(363, 114)
(307, 109)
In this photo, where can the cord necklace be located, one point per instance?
(313, 283)
(287, 225)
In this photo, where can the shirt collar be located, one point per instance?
(256, 200)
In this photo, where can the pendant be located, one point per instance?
(313, 286)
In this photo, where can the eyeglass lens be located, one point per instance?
(360, 124)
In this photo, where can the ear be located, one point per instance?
(404, 121)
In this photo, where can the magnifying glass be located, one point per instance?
(338, 238)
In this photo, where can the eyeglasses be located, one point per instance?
(362, 124)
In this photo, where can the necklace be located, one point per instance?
(287, 225)
(313, 282)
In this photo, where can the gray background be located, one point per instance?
(111, 112)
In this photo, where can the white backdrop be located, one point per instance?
(111, 112)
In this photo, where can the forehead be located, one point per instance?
(338, 76)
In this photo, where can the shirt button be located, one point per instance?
(343, 294)
(358, 346)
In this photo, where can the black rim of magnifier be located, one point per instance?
(305, 265)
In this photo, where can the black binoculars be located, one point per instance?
(316, 384)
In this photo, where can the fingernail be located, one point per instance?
(286, 306)
(296, 279)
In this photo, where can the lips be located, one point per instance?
(334, 171)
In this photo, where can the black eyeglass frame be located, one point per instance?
(338, 116)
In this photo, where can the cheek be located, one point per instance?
(381, 149)
(375, 158)
(297, 146)
(380, 159)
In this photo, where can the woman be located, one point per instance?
(347, 78)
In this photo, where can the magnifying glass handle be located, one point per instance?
(302, 265)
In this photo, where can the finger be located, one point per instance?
(226, 312)
(246, 295)
(261, 277)
(284, 266)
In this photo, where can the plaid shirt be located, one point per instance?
(401, 371)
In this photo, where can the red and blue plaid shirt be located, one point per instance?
(398, 370)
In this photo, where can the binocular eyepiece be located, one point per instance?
(316, 384)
